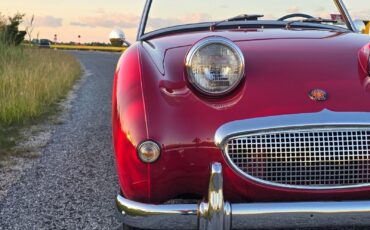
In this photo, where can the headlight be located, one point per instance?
(215, 66)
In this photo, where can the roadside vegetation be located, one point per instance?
(32, 81)
(85, 47)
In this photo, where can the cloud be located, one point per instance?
(129, 21)
(163, 22)
(80, 24)
(190, 18)
(48, 21)
(197, 17)
(320, 11)
(108, 20)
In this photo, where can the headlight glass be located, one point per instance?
(215, 66)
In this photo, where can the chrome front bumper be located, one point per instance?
(217, 214)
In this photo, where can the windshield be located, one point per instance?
(168, 13)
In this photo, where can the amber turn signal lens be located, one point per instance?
(149, 151)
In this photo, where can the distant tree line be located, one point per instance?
(87, 44)
(9, 29)
(37, 41)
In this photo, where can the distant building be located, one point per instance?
(117, 38)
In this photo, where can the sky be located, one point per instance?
(93, 20)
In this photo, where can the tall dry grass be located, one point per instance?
(31, 81)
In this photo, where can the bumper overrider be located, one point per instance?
(217, 214)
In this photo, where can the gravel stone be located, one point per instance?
(73, 183)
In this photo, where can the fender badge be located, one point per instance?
(318, 95)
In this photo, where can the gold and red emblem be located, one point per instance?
(318, 95)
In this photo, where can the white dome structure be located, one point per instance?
(117, 34)
(117, 38)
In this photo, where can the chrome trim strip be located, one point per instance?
(325, 119)
(300, 215)
(218, 214)
(144, 19)
(148, 216)
(347, 17)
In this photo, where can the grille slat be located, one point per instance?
(310, 158)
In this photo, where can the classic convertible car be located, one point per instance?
(244, 114)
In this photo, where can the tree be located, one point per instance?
(2, 26)
(10, 31)
(2, 21)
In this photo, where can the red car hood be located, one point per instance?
(282, 67)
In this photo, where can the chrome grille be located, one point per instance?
(304, 158)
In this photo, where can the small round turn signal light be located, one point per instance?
(149, 151)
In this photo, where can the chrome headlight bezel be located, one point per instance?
(212, 41)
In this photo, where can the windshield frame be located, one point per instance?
(141, 35)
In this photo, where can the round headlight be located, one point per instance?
(215, 66)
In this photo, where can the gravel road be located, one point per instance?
(73, 182)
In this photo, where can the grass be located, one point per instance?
(32, 81)
(95, 48)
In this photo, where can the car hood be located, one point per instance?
(281, 41)
(282, 67)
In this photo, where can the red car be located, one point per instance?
(260, 120)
